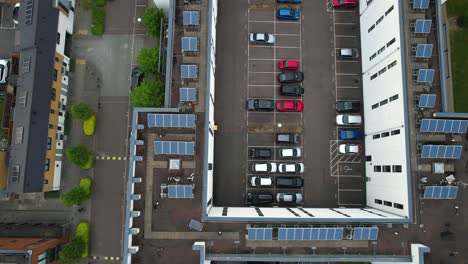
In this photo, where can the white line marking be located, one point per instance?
(344, 11)
(350, 190)
(293, 35)
(345, 24)
(347, 87)
(345, 36)
(342, 61)
(346, 74)
(259, 72)
(278, 47)
(348, 176)
(276, 85)
(274, 21)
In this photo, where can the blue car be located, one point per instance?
(350, 134)
(289, 1)
(288, 13)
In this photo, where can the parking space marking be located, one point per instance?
(273, 21)
(345, 24)
(274, 85)
(285, 34)
(286, 47)
(347, 61)
(350, 190)
(346, 36)
(347, 87)
(344, 11)
(350, 74)
(260, 72)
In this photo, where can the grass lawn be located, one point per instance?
(458, 9)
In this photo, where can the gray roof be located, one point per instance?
(38, 44)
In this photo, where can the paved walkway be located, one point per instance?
(193, 235)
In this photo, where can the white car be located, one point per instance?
(349, 148)
(269, 167)
(348, 120)
(258, 181)
(290, 153)
(291, 168)
(4, 70)
(264, 38)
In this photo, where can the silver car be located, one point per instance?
(262, 38)
(295, 198)
(4, 70)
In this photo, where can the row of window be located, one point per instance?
(382, 49)
(380, 18)
(383, 70)
(386, 134)
(384, 102)
(388, 168)
(390, 204)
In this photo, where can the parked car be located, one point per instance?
(262, 38)
(15, 13)
(260, 105)
(348, 120)
(137, 77)
(289, 182)
(288, 65)
(350, 134)
(261, 181)
(254, 198)
(291, 90)
(291, 77)
(288, 138)
(347, 54)
(265, 167)
(291, 168)
(349, 148)
(290, 106)
(295, 198)
(4, 71)
(344, 3)
(288, 1)
(260, 153)
(288, 13)
(348, 106)
(290, 152)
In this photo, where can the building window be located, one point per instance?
(49, 143)
(387, 168)
(55, 75)
(374, 106)
(393, 98)
(380, 20)
(377, 201)
(376, 136)
(389, 10)
(398, 206)
(385, 134)
(391, 42)
(383, 102)
(51, 126)
(373, 56)
(369, 158)
(396, 168)
(382, 71)
(374, 76)
(58, 38)
(381, 50)
(57, 59)
(392, 64)
(60, 113)
(210, 166)
(377, 168)
(47, 163)
(52, 111)
(46, 181)
(387, 203)
(371, 28)
(395, 132)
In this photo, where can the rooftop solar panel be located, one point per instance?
(188, 71)
(180, 191)
(425, 75)
(440, 192)
(191, 18)
(189, 44)
(421, 4)
(174, 147)
(187, 94)
(259, 233)
(424, 50)
(171, 120)
(365, 233)
(443, 126)
(441, 152)
(423, 26)
(310, 233)
(427, 100)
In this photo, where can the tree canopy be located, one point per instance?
(81, 111)
(72, 251)
(74, 197)
(152, 21)
(148, 94)
(148, 59)
(79, 155)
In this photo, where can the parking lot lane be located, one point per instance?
(260, 52)
(293, 54)
(261, 139)
(288, 28)
(288, 41)
(351, 198)
(261, 119)
(348, 81)
(262, 15)
(261, 92)
(289, 119)
(262, 66)
(262, 78)
(347, 30)
(344, 18)
(351, 169)
(349, 94)
(261, 27)
(352, 183)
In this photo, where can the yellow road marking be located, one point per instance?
(80, 61)
(83, 32)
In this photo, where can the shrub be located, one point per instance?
(99, 3)
(74, 196)
(80, 156)
(148, 59)
(152, 21)
(86, 4)
(82, 232)
(148, 94)
(97, 21)
(81, 111)
(89, 126)
(85, 184)
(72, 251)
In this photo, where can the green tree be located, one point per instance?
(74, 196)
(80, 156)
(148, 59)
(152, 21)
(72, 251)
(148, 94)
(81, 111)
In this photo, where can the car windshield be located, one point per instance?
(345, 119)
(347, 105)
(257, 181)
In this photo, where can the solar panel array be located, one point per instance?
(187, 94)
(425, 75)
(440, 192)
(424, 50)
(441, 152)
(174, 147)
(443, 126)
(259, 233)
(310, 233)
(171, 120)
(189, 71)
(427, 100)
(189, 44)
(423, 26)
(365, 233)
(180, 191)
(421, 4)
(191, 18)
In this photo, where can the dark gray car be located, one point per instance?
(288, 138)
(291, 90)
(260, 105)
(254, 198)
(289, 182)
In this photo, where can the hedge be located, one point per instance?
(89, 126)
(99, 3)
(85, 184)
(90, 163)
(97, 21)
(82, 231)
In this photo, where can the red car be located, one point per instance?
(345, 3)
(290, 106)
(288, 65)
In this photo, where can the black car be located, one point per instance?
(291, 77)
(259, 198)
(288, 138)
(347, 106)
(291, 90)
(137, 77)
(260, 105)
(260, 153)
(289, 182)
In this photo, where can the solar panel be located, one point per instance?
(423, 26)
(424, 50)
(425, 75)
(180, 191)
(443, 126)
(187, 94)
(171, 120)
(189, 44)
(427, 100)
(174, 147)
(310, 233)
(440, 192)
(259, 233)
(365, 233)
(189, 71)
(420, 4)
(441, 152)
(191, 18)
